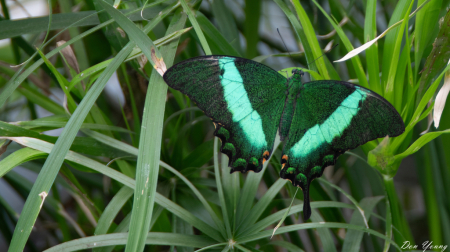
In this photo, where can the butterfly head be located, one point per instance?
(298, 72)
(295, 81)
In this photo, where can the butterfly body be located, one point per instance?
(249, 102)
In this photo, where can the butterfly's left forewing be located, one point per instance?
(244, 99)
(330, 118)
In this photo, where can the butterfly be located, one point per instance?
(250, 102)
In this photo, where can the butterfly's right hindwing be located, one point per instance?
(244, 99)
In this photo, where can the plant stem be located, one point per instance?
(398, 218)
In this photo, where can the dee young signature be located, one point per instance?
(427, 245)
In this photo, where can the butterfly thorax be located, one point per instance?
(294, 88)
(295, 85)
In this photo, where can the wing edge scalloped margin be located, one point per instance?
(234, 162)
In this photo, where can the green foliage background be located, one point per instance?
(146, 176)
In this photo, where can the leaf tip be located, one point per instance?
(274, 230)
(159, 64)
(43, 195)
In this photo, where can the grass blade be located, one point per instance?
(151, 134)
(268, 233)
(125, 180)
(357, 66)
(370, 32)
(250, 188)
(353, 238)
(324, 233)
(196, 26)
(312, 39)
(220, 190)
(154, 238)
(262, 204)
(19, 157)
(54, 161)
(113, 208)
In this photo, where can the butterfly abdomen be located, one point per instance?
(292, 94)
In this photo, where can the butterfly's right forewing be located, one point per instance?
(245, 100)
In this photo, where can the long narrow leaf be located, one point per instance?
(125, 180)
(121, 238)
(54, 161)
(196, 26)
(151, 133)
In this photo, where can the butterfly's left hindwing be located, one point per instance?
(244, 99)
(330, 118)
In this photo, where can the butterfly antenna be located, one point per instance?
(322, 54)
(285, 47)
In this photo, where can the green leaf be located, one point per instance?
(150, 140)
(438, 57)
(206, 205)
(226, 23)
(275, 217)
(196, 26)
(135, 34)
(425, 24)
(355, 60)
(43, 101)
(50, 124)
(267, 233)
(419, 143)
(113, 208)
(370, 32)
(94, 70)
(54, 161)
(324, 233)
(392, 38)
(389, 91)
(83, 145)
(312, 40)
(200, 156)
(353, 238)
(22, 74)
(261, 205)
(285, 214)
(220, 190)
(250, 188)
(252, 12)
(261, 58)
(358, 207)
(300, 32)
(388, 225)
(125, 180)
(195, 241)
(417, 113)
(287, 245)
(14, 28)
(216, 39)
(19, 157)
(61, 81)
